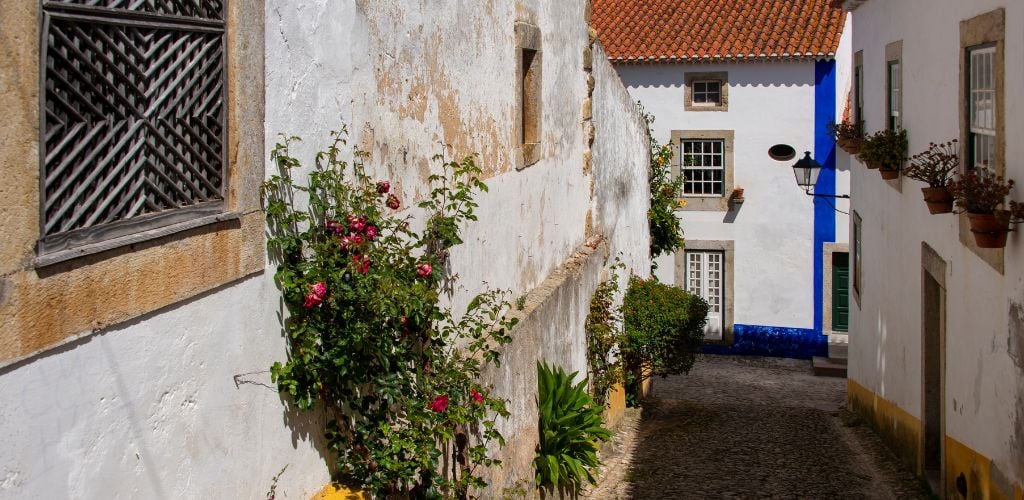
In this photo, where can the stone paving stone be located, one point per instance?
(744, 427)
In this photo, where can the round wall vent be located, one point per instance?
(782, 152)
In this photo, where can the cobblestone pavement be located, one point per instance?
(738, 427)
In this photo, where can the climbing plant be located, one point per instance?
(398, 374)
(603, 327)
(665, 227)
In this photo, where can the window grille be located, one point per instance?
(703, 167)
(133, 126)
(707, 92)
(982, 99)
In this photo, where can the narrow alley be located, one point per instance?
(738, 427)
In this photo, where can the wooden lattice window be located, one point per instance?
(133, 123)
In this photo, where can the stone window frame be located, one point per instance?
(722, 77)
(707, 203)
(45, 307)
(528, 38)
(828, 249)
(856, 249)
(728, 248)
(984, 29)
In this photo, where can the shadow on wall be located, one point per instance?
(669, 75)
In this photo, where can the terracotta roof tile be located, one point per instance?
(647, 30)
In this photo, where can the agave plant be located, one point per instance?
(570, 429)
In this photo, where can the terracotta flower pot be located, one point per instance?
(872, 164)
(853, 146)
(989, 229)
(938, 199)
(889, 173)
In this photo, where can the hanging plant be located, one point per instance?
(368, 340)
(936, 166)
(848, 136)
(885, 150)
(982, 195)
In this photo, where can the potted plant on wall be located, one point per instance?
(935, 166)
(982, 194)
(848, 136)
(885, 150)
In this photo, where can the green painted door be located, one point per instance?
(840, 291)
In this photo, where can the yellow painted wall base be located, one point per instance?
(616, 407)
(338, 492)
(902, 432)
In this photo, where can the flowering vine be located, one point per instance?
(399, 375)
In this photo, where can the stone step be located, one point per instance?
(838, 345)
(828, 367)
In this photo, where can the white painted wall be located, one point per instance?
(769, 103)
(984, 365)
(178, 404)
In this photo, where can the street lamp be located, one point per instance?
(807, 171)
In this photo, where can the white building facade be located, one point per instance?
(758, 247)
(937, 324)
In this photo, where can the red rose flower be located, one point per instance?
(362, 263)
(316, 295)
(393, 203)
(371, 233)
(383, 187)
(477, 397)
(424, 270)
(335, 227)
(439, 404)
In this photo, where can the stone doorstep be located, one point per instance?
(828, 367)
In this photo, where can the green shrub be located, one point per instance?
(570, 428)
(887, 147)
(665, 227)
(664, 330)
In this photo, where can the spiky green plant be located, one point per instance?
(570, 429)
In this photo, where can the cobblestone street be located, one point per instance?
(749, 428)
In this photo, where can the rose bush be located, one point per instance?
(397, 373)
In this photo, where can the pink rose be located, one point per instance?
(383, 187)
(424, 270)
(362, 263)
(346, 242)
(371, 233)
(335, 227)
(316, 295)
(358, 225)
(477, 397)
(439, 404)
(356, 239)
(393, 203)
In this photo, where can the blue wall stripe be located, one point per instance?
(825, 154)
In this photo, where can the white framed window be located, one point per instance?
(895, 97)
(707, 93)
(982, 101)
(705, 277)
(703, 167)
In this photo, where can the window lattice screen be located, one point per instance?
(134, 123)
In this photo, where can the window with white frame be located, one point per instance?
(707, 93)
(703, 167)
(982, 102)
(705, 277)
(895, 100)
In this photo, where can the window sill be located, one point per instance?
(57, 257)
(704, 204)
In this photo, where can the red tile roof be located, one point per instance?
(709, 30)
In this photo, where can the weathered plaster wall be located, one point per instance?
(407, 79)
(984, 399)
(769, 103)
